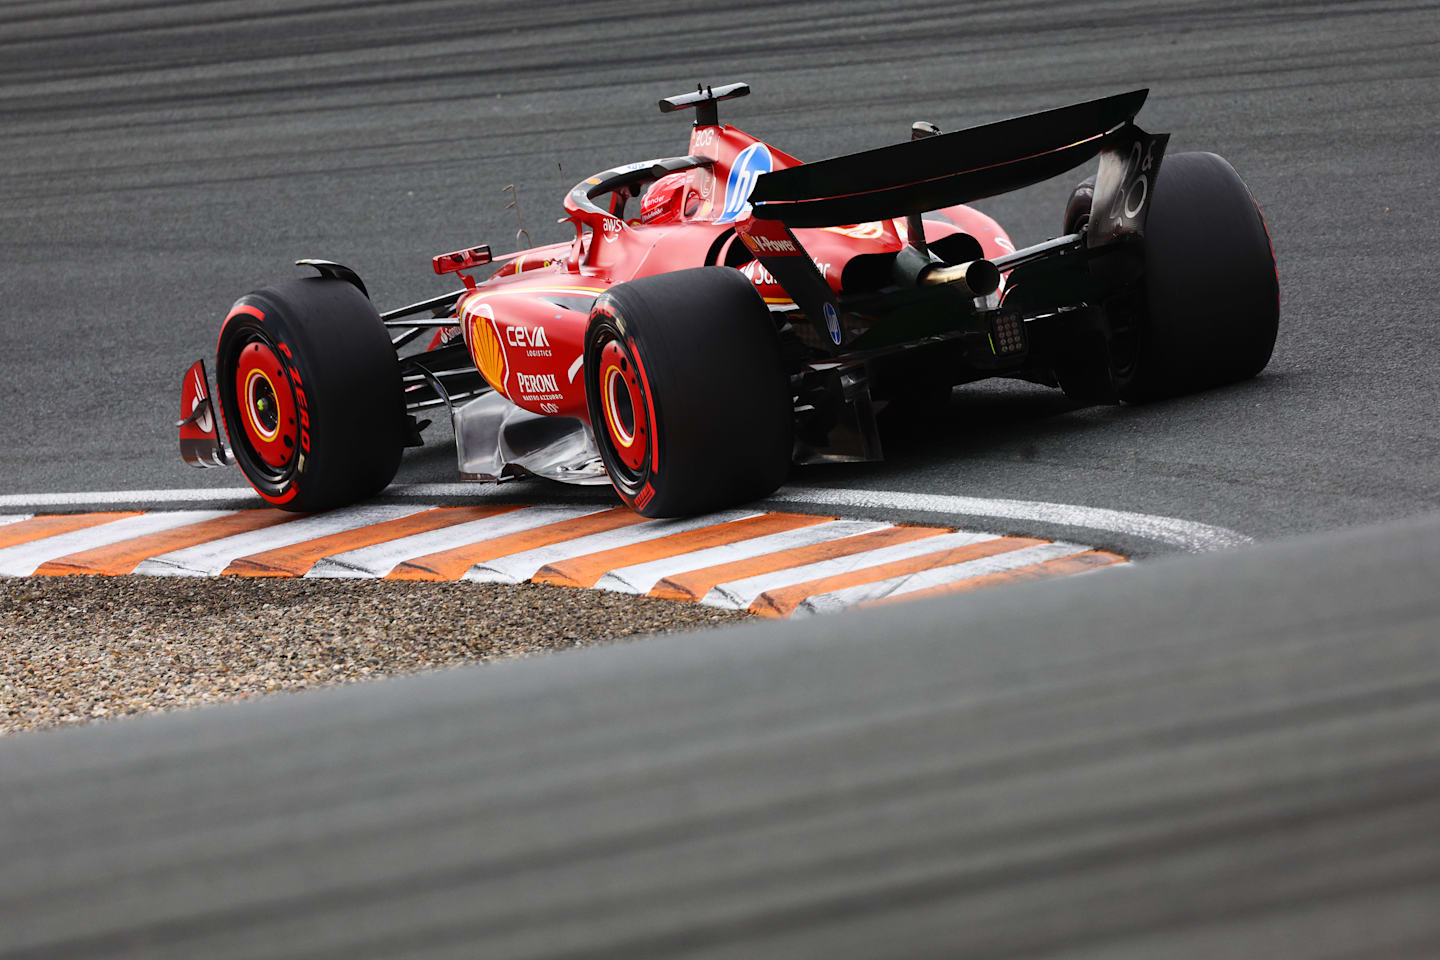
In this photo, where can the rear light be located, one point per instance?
(1007, 334)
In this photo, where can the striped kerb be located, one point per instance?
(770, 563)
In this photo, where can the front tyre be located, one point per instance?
(687, 393)
(1211, 295)
(310, 390)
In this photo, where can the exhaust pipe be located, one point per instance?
(978, 278)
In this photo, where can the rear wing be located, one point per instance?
(951, 168)
(908, 179)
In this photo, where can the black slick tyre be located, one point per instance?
(1082, 366)
(1211, 295)
(1077, 208)
(310, 390)
(688, 397)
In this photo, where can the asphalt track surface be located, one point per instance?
(162, 158)
(1226, 756)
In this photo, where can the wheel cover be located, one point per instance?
(266, 399)
(623, 402)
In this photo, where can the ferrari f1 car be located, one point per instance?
(755, 312)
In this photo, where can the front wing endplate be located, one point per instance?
(200, 443)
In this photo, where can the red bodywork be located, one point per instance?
(525, 326)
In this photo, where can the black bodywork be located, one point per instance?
(1067, 315)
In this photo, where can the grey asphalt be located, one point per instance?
(160, 159)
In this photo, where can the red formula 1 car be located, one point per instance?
(755, 312)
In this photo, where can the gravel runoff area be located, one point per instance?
(80, 649)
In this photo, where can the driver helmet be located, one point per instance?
(662, 200)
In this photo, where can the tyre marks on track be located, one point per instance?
(772, 563)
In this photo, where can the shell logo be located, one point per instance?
(485, 346)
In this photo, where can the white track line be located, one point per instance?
(14, 518)
(838, 600)
(101, 498)
(208, 559)
(522, 566)
(739, 594)
(22, 560)
(489, 488)
(642, 577)
(1185, 534)
(379, 560)
(105, 498)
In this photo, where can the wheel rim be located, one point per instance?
(622, 402)
(266, 399)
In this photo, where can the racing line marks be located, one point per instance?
(771, 563)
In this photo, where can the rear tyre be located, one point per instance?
(1082, 365)
(687, 393)
(1211, 295)
(310, 390)
(1077, 208)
